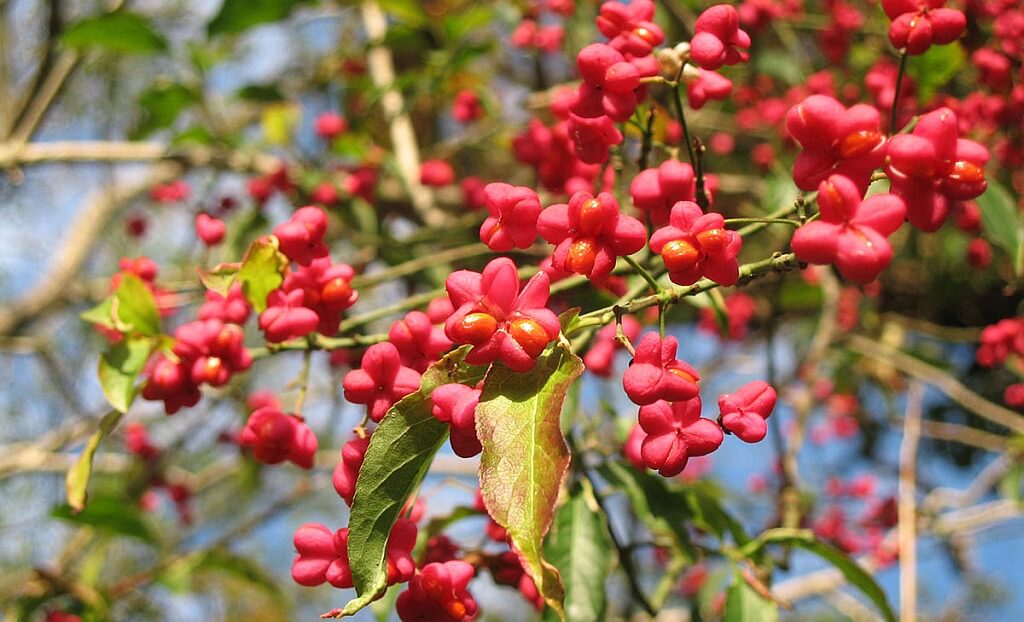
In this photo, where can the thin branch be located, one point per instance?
(907, 506)
(403, 138)
(941, 380)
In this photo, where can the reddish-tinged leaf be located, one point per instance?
(525, 457)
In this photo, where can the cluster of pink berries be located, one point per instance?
(671, 429)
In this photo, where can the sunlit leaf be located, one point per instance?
(119, 367)
(525, 456)
(219, 278)
(262, 271)
(135, 307)
(77, 481)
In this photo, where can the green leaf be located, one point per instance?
(77, 481)
(134, 309)
(525, 457)
(102, 314)
(400, 452)
(240, 15)
(709, 514)
(119, 367)
(161, 105)
(854, 573)
(935, 68)
(264, 93)
(580, 547)
(458, 25)
(220, 278)
(568, 319)
(115, 32)
(663, 509)
(744, 604)
(778, 64)
(780, 192)
(1001, 222)
(406, 11)
(116, 516)
(262, 271)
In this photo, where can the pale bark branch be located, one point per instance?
(907, 505)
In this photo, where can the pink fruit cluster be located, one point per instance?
(671, 429)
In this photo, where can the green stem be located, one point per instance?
(644, 273)
(896, 95)
(677, 98)
(781, 221)
(777, 263)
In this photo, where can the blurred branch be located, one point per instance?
(938, 378)
(965, 435)
(403, 138)
(71, 252)
(907, 507)
(13, 153)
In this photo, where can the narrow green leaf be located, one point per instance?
(240, 15)
(134, 309)
(1001, 221)
(220, 278)
(115, 516)
(663, 509)
(115, 32)
(119, 367)
(262, 271)
(580, 547)
(400, 452)
(525, 457)
(77, 481)
(854, 573)
(744, 604)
